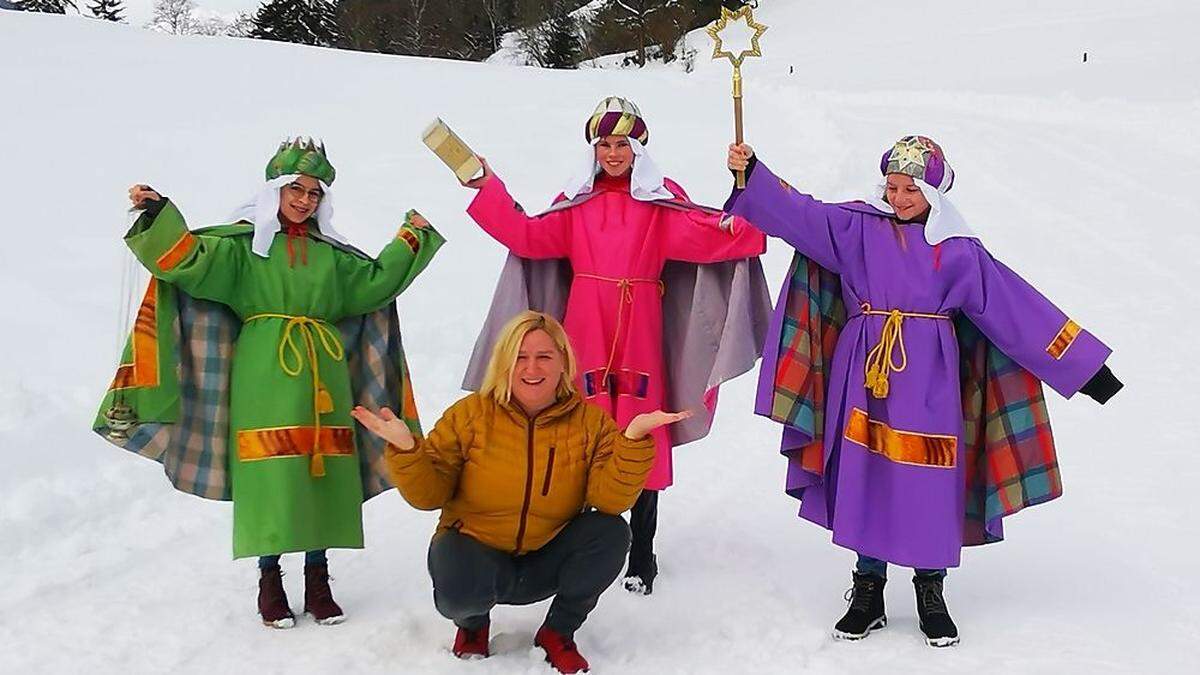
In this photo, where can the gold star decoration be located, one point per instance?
(908, 152)
(727, 17)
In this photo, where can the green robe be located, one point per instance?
(289, 492)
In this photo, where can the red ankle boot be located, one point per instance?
(318, 597)
(560, 651)
(272, 601)
(471, 644)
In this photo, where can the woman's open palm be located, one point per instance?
(386, 426)
(647, 422)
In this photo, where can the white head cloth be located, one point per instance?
(645, 185)
(262, 211)
(944, 220)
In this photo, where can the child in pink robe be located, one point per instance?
(618, 230)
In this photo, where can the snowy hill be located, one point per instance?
(1081, 176)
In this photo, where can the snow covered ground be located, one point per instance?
(1081, 175)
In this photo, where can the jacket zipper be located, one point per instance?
(528, 485)
(549, 472)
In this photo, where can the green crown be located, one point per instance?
(303, 157)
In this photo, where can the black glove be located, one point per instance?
(1103, 385)
(153, 207)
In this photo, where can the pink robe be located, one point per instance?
(617, 247)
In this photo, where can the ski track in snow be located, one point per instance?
(1080, 176)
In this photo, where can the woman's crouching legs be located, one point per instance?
(583, 561)
(468, 578)
(580, 563)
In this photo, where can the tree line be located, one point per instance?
(551, 33)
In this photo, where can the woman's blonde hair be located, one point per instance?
(497, 383)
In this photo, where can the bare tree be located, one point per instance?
(173, 16)
(497, 21)
(211, 26)
(650, 29)
(637, 14)
(241, 26)
(412, 34)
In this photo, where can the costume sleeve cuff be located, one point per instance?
(161, 242)
(418, 238)
(637, 449)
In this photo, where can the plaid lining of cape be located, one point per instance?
(191, 439)
(1009, 448)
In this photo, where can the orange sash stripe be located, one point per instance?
(255, 444)
(143, 370)
(178, 251)
(1063, 341)
(905, 447)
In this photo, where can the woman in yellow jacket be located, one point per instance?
(531, 482)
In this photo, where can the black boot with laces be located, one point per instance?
(866, 608)
(936, 624)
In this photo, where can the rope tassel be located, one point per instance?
(313, 333)
(881, 360)
(324, 401)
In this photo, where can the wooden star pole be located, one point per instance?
(746, 14)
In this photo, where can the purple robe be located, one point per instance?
(894, 481)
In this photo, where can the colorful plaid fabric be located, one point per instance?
(812, 320)
(1009, 448)
(192, 441)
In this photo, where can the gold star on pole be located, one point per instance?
(728, 17)
(746, 14)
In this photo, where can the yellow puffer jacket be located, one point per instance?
(513, 483)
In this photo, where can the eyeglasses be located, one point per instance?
(299, 190)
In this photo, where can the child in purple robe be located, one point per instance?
(885, 452)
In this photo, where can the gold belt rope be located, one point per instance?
(625, 291)
(311, 331)
(881, 360)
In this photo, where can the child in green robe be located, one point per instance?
(297, 471)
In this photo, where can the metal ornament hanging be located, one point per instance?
(121, 421)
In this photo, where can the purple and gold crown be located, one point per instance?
(616, 116)
(919, 157)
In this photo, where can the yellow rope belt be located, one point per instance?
(625, 291)
(291, 360)
(881, 358)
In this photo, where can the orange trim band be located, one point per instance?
(178, 251)
(410, 239)
(255, 444)
(1063, 341)
(904, 447)
(142, 371)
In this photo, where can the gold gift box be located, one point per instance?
(452, 150)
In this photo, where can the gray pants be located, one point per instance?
(469, 578)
